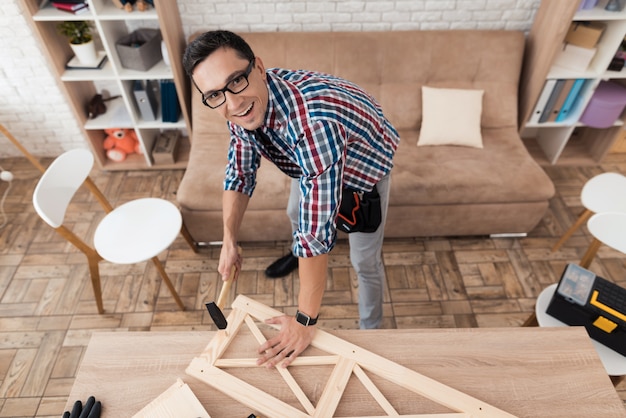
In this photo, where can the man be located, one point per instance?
(326, 134)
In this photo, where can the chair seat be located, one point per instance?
(609, 228)
(604, 193)
(137, 231)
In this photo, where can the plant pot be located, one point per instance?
(85, 53)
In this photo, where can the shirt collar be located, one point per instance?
(278, 91)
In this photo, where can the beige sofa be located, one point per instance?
(435, 190)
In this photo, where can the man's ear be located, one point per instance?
(258, 63)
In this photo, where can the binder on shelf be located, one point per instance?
(543, 99)
(567, 85)
(552, 100)
(571, 100)
(145, 99)
(169, 101)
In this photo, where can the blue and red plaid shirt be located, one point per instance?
(323, 130)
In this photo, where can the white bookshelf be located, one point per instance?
(109, 24)
(569, 141)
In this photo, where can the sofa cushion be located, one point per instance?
(501, 172)
(451, 117)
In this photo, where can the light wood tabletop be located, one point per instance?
(528, 372)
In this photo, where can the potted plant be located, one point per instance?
(78, 33)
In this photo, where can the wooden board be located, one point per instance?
(346, 359)
(529, 372)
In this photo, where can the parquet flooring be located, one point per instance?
(47, 310)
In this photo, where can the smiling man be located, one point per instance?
(325, 133)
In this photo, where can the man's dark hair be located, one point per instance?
(207, 43)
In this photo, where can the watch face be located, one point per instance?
(305, 319)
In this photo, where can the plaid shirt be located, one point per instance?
(323, 130)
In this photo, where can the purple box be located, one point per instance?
(587, 4)
(606, 105)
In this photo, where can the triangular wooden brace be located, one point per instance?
(178, 401)
(348, 358)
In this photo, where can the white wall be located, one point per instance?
(34, 110)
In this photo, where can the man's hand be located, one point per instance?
(230, 257)
(290, 342)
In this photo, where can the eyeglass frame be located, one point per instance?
(245, 76)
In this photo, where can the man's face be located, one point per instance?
(247, 108)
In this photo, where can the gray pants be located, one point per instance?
(365, 255)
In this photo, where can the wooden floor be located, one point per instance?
(47, 310)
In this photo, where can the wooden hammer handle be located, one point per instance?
(221, 299)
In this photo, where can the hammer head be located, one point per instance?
(216, 315)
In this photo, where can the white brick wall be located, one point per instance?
(33, 108)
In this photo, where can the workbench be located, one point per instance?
(528, 372)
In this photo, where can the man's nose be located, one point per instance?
(232, 99)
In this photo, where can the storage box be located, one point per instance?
(587, 4)
(574, 58)
(580, 299)
(585, 34)
(166, 147)
(606, 105)
(140, 50)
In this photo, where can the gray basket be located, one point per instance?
(140, 50)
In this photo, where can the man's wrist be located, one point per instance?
(305, 319)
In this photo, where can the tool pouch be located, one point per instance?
(359, 211)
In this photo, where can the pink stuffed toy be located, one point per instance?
(121, 142)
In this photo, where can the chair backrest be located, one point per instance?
(610, 229)
(59, 183)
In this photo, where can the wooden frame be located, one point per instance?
(348, 360)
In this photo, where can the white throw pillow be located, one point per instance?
(451, 117)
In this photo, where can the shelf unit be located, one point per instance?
(108, 25)
(569, 141)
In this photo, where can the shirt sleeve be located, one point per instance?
(243, 162)
(322, 153)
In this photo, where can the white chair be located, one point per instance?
(605, 192)
(607, 228)
(134, 232)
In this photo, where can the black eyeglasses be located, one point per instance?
(238, 84)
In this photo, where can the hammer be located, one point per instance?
(215, 309)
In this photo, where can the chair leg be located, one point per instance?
(168, 283)
(94, 271)
(583, 218)
(593, 248)
(185, 232)
(531, 321)
(591, 252)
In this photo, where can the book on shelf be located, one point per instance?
(68, 1)
(69, 6)
(75, 64)
(554, 95)
(76, 9)
(571, 100)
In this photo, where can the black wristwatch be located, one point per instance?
(305, 319)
